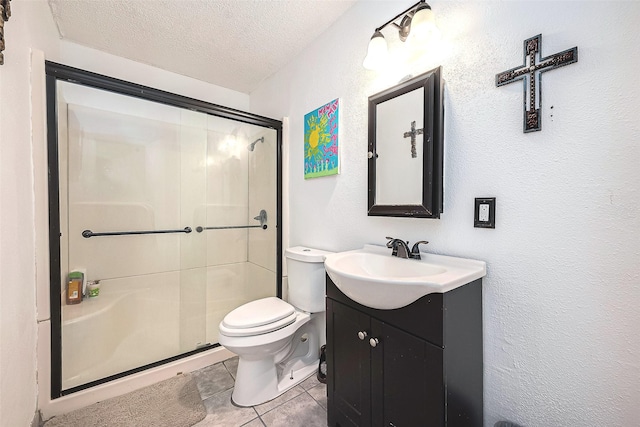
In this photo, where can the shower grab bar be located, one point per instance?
(262, 217)
(201, 229)
(88, 233)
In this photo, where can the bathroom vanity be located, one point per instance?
(418, 365)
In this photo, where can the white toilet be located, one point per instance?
(278, 343)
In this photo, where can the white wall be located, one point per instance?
(30, 26)
(561, 293)
(113, 66)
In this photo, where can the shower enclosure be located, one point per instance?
(172, 204)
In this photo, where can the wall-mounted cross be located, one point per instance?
(412, 134)
(533, 68)
(5, 14)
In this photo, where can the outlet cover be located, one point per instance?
(485, 212)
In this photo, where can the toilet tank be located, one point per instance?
(306, 277)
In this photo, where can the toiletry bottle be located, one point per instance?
(93, 288)
(74, 287)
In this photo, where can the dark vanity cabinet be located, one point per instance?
(419, 365)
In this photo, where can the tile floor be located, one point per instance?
(303, 406)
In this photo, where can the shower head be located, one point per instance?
(251, 146)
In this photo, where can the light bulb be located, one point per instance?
(423, 25)
(376, 52)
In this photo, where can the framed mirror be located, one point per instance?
(406, 133)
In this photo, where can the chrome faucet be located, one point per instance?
(400, 248)
(415, 250)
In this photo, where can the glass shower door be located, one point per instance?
(161, 205)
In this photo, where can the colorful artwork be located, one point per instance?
(321, 141)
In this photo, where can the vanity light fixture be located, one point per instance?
(417, 25)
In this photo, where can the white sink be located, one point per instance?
(374, 278)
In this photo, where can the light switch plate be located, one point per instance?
(485, 212)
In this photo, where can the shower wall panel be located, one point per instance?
(262, 195)
(117, 184)
(131, 322)
(192, 180)
(226, 194)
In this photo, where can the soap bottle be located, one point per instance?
(74, 287)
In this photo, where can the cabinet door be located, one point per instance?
(349, 367)
(407, 384)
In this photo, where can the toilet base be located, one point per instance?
(264, 377)
(257, 381)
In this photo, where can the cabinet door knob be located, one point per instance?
(373, 342)
(362, 335)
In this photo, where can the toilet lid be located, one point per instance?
(258, 330)
(257, 313)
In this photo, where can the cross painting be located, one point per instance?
(321, 141)
(530, 72)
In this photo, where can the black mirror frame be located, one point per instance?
(433, 155)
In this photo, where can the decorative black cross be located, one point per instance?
(5, 14)
(528, 71)
(412, 134)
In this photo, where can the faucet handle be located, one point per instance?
(392, 244)
(415, 250)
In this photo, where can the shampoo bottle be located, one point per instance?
(74, 287)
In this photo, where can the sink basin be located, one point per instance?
(374, 278)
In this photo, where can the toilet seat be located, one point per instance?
(258, 317)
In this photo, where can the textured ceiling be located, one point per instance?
(231, 43)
